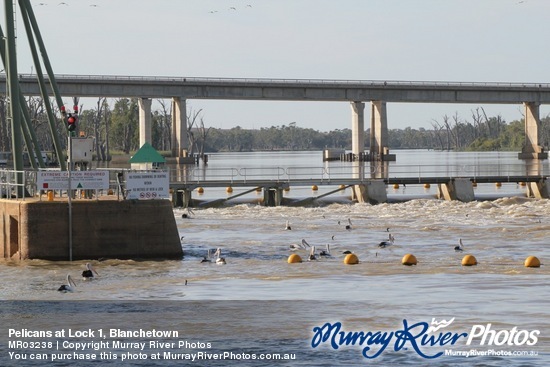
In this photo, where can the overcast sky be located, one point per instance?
(405, 40)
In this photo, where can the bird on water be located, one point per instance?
(219, 259)
(460, 246)
(90, 272)
(69, 287)
(387, 243)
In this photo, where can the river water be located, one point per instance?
(258, 304)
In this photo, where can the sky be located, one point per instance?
(399, 40)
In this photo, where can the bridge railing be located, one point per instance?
(359, 172)
(263, 81)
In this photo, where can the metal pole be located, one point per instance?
(70, 194)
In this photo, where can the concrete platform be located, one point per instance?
(104, 228)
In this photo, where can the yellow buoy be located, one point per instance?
(200, 190)
(294, 258)
(395, 186)
(287, 188)
(498, 184)
(110, 192)
(409, 259)
(426, 185)
(229, 189)
(532, 262)
(342, 187)
(522, 183)
(474, 184)
(258, 189)
(351, 259)
(469, 260)
(314, 188)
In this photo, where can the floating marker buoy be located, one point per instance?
(258, 189)
(532, 262)
(409, 260)
(314, 188)
(522, 183)
(469, 260)
(110, 192)
(294, 258)
(474, 184)
(342, 187)
(426, 185)
(498, 184)
(229, 189)
(395, 186)
(287, 188)
(351, 259)
(200, 190)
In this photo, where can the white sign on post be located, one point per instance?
(85, 180)
(147, 185)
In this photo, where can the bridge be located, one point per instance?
(355, 92)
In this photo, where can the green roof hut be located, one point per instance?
(147, 158)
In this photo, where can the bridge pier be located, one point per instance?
(456, 189)
(531, 148)
(180, 139)
(144, 121)
(538, 190)
(379, 150)
(273, 196)
(372, 192)
(182, 198)
(357, 128)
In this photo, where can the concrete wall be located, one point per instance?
(100, 229)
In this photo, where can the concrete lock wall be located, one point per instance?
(100, 229)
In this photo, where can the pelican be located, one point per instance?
(311, 256)
(90, 272)
(326, 252)
(387, 243)
(348, 226)
(287, 226)
(69, 287)
(299, 246)
(219, 259)
(206, 259)
(460, 247)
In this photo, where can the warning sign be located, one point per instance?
(59, 180)
(147, 185)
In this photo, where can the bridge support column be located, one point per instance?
(273, 196)
(531, 148)
(379, 150)
(357, 129)
(372, 192)
(180, 138)
(144, 121)
(456, 189)
(538, 190)
(181, 198)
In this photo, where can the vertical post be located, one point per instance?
(70, 194)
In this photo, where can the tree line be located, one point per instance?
(114, 125)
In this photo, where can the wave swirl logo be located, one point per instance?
(416, 336)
